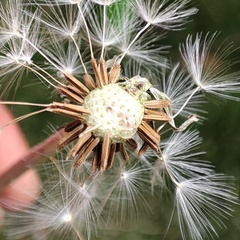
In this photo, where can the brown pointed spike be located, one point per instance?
(103, 70)
(75, 82)
(71, 95)
(123, 151)
(149, 136)
(145, 127)
(155, 112)
(85, 145)
(111, 155)
(105, 151)
(152, 115)
(89, 82)
(114, 73)
(96, 158)
(77, 147)
(117, 147)
(70, 136)
(67, 113)
(99, 81)
(156, 104)
(143, 149)
(72, 125)
(83, 156)
(69, 107)
(161, 117)
(75, 90)
(132, 144)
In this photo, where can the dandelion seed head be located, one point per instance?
(115, 110)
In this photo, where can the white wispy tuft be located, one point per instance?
(75, 204)
(209, 70)
(17, 52)
(165, 14)
(176, 84)
(126, 199)
(144, 51)
(64, 22)
(12, 19)
(202, 203)
(180, 160)
(107, 31)
(67, 59)
(68, 208)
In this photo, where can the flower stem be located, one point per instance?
(34, 156)
(187, 101)
(133, 41)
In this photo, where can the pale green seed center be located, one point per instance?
(115, 111)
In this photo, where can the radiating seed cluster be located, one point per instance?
(107, 116)
(122, 95)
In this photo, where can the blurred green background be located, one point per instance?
(221, 132)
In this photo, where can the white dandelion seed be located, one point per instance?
(67, 59)
(144, 51)
(210, 71)
(180, 160)
(15, 58)
(105, 30)
(65, 209)
(64, 22)
(125, 191)
(203, 202)
(164, 14)
(12, 19)
(177, 86)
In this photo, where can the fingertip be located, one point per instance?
(22, 192)
(1, 216)
(13, 145)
